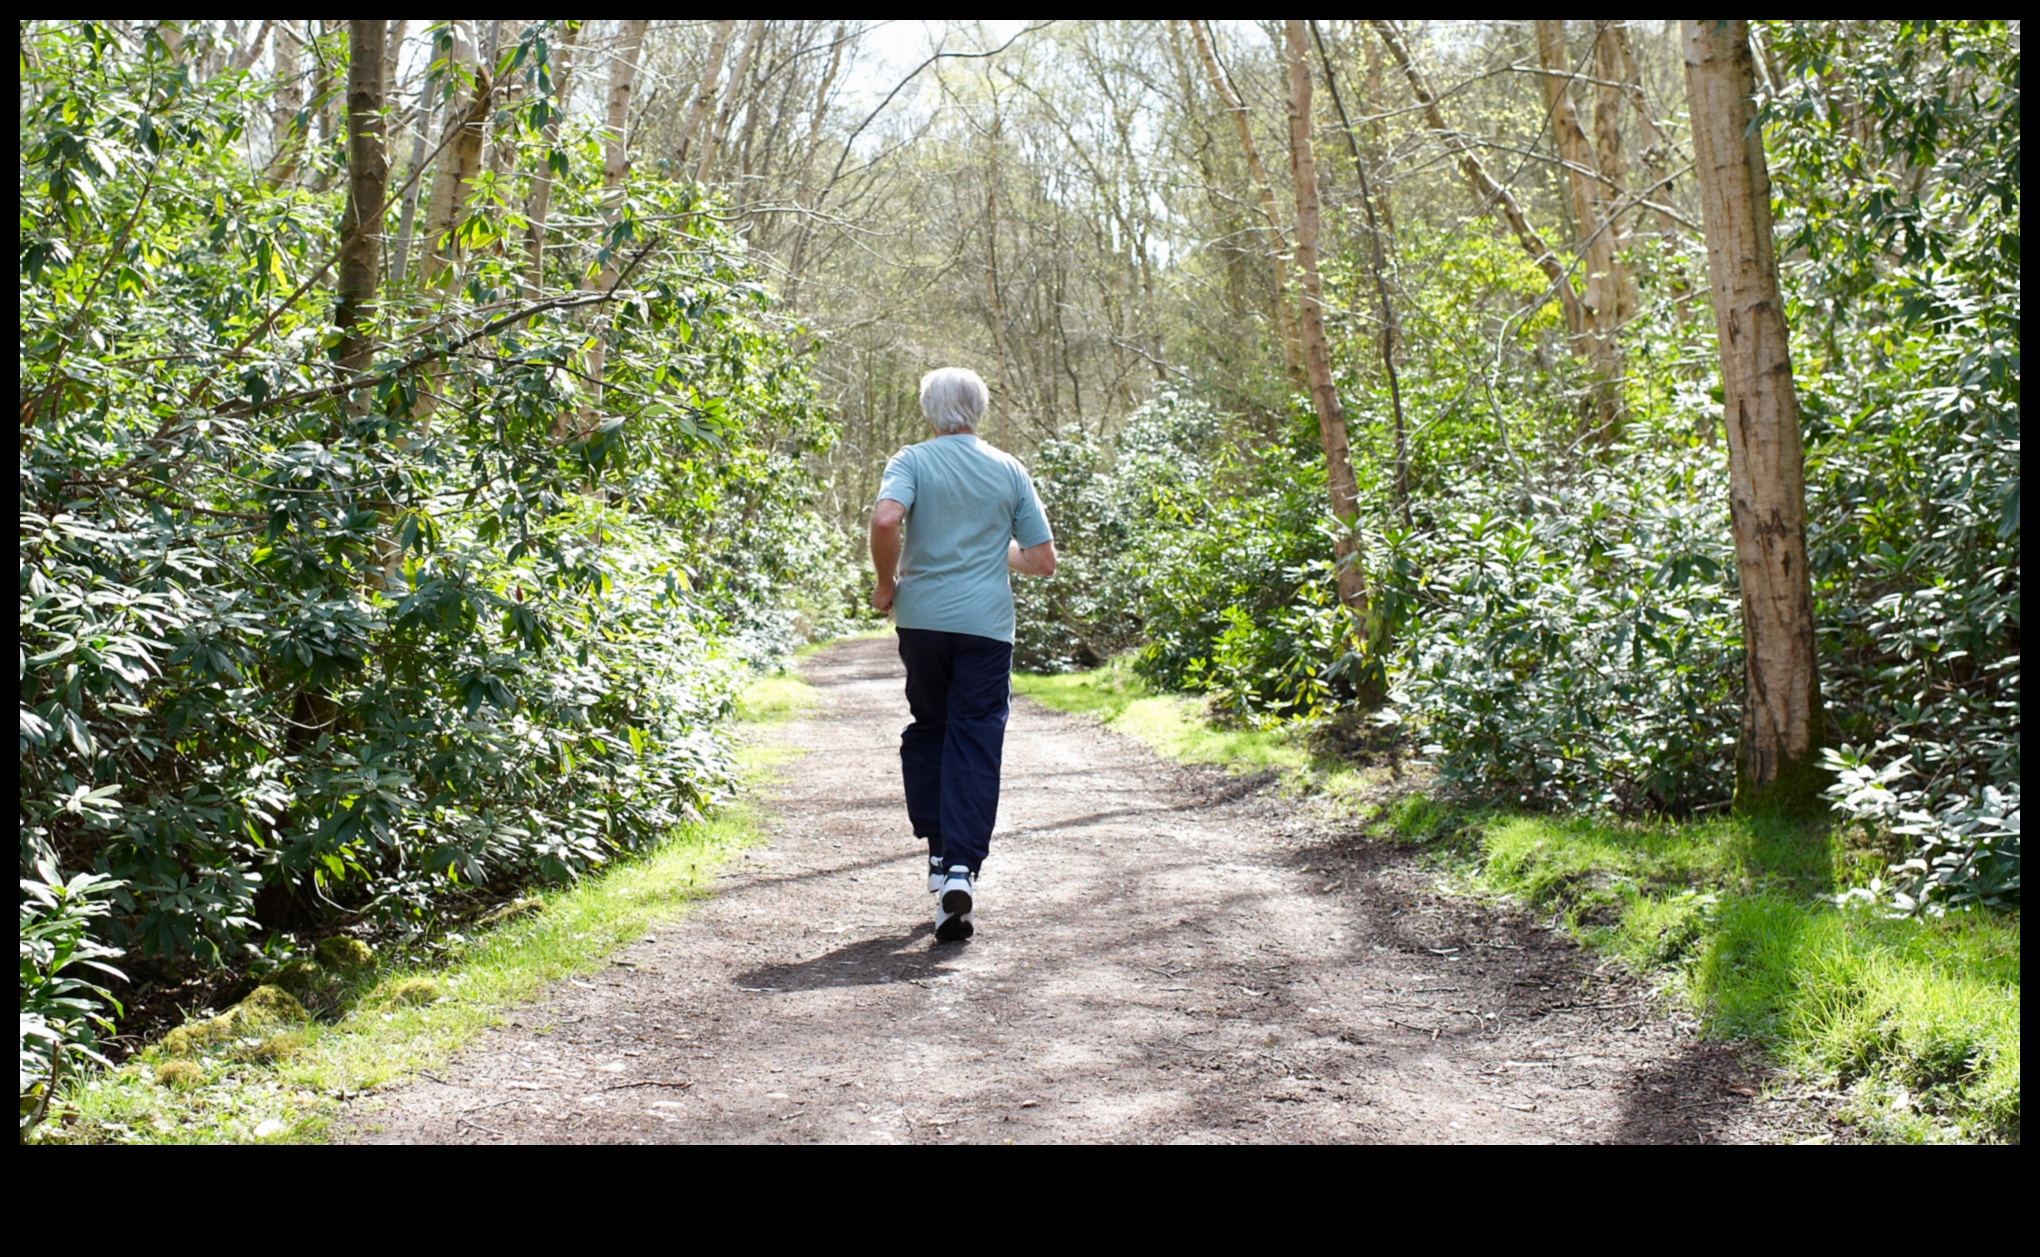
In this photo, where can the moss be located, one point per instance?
(274, 1047)
(415, 991)
(267, 1006)
(179, 1074)
(342, 953)
(265, 1009)
(304, 977)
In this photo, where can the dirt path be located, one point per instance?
(1155, 961)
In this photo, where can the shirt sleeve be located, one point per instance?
(1030, 522)
(898, 481)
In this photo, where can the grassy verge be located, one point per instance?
(283, 1079)
(1917, 1021)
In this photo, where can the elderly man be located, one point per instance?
(970, 516)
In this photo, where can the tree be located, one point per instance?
(460, 152)
(1487, 194)
(1778, 762)
(623, 68)
(704, 96)
(558, 77)
(1593, 222)
(1317, 356)
(1377, 265)
(1264, 189)
(368, 177)
(288, 117)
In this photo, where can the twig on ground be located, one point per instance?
(625, 1086)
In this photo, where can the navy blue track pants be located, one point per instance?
(959, 687)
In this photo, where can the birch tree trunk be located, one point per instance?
(704, 96)
(1317, 356)
(1487, 194)
(992, 284)
(460, 155)
(1654, 153)
(414, 180)
(393, 57)
(1611, 159)
(322, 103)
(1599, 303)
(712, 142)
(1778, 762)
(559, 81)
(289, 124)
(623, 68)
(1377, 264)
(809, 151)
(368, 178)
(1264, 188)
(244, 56)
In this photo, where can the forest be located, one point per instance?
(430, 429)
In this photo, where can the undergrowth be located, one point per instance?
(267, 1071)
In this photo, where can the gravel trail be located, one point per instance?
(1162, 956)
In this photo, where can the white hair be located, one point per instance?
(954, 399)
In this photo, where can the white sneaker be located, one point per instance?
(936, 875)
(953, 917)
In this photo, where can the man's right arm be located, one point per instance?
(886, 518)
(1032, 561)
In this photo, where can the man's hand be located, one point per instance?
(882, 598)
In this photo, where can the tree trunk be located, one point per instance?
(1377, 265)
(1778, 762)
(414, 180)
(1654, 155)
(992, 285)
(1596, 239)
(712, 142)
(322, 103)
(704, 97)
(809, 152)
(460, 157)
(244, 56)
(623, 68)
(393, 57)
(1374, 139)
(1285, 320)
(1612, 161)
(288, 125)
(1317, 356)
(368, 178)
(558, 83)
(1486, 192)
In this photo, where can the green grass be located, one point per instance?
(1916, 1020)
(288, 1085)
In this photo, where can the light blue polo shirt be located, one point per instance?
(965, 500)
